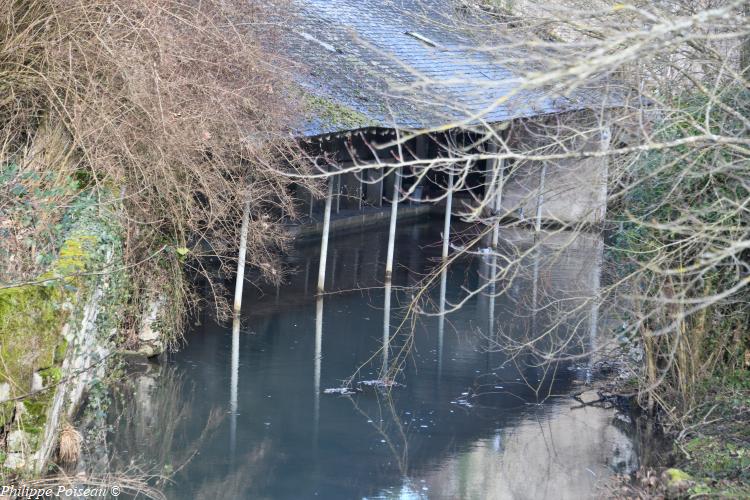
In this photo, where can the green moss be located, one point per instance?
(32, 316)
(334, 114)
(35, 409)
(677, 475)
(60, 351)
(51, 375)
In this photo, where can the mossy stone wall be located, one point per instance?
(35, 319)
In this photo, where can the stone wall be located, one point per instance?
(56, 335)
(569, 190)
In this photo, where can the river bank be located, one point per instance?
(708, 455)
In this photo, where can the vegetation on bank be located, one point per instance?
(684, 224)
(46, 320)
(717, 452)
(157, 120)
(710, 454)
(681, 224)
(172, 106)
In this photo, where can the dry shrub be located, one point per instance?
(70, 444)
(132, 483)
(33, 199)
(172, 106)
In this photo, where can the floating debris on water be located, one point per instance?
(343, 391)
(380, 383)
(359, 386)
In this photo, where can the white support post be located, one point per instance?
(241, 260)
(606, 138)
(494, 181)
(392, 229)
(448, 213)
(493, 290)
(540, 198)
(535, 287)
(498, 201)
(324, 241)
(381, 187)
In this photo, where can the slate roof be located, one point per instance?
(358, 66)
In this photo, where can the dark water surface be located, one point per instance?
(466, 422)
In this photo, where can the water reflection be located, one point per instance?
(233, 386)
(562, 455)
(318, 364)
(386, 329)
(468, 421)
(441, 319)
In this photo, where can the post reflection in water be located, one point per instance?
(234, 381)
(441, 319)
(460, 425)
(595, 304)
(492, 292)
(318, 363)
(386, 329)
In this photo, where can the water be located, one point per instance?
(467, 421)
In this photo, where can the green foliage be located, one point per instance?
(680, 221)
(675, 182)
(684, 205)
(718, 456)
(713, 458)
(51, 375)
